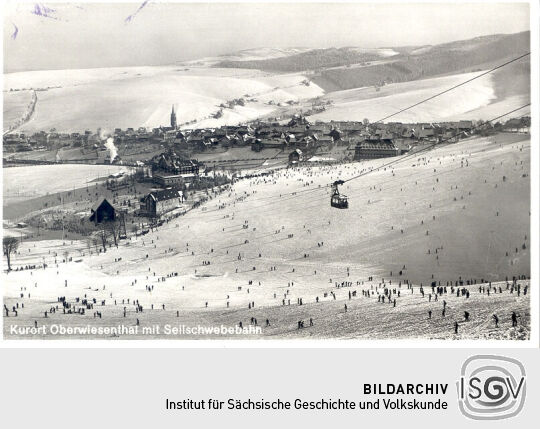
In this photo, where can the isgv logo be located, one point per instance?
(491, 387)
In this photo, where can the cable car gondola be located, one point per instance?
(337, 200)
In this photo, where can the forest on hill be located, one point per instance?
(333, 70)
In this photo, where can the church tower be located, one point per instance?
(173, 118)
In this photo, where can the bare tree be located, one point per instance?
(113, 229)
(103, 234)
(10, 245)
(39, 222)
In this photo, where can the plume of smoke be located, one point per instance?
(109, 144)
(103, 134)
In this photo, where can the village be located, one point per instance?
(164, 180)
(358, 140)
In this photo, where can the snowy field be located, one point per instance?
(460, 212)
(247, 55)
(359, 103)
(15, 106)
(142, 96)
(23, 183)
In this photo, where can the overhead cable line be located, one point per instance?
(454, 87)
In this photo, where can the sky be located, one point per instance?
(44, 36)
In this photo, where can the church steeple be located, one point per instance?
(173, 117)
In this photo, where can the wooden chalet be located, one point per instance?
(102, 211)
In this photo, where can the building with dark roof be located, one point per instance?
(102, 211)
(296, 156)
(173, 164)
(157, 203)
(425, 134)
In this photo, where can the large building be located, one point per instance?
(158, 203)
(173, 163)
(166, 180)
(371, 149)
(170, 169)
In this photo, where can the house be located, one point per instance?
(448, 136)
(408, 134)
(195, 141)
(220, 133)
(274, 144)
(170, 136)
(244, 139)
(224, 141)
(425, 134)
(13, 139)
(465, 125)
(325, 140)
(298, 131)
(158, 203)
(403, 145)
(102, 211)
(115, 184)
(371, 149)
(290, 138)
(165, 179)
(257, 145)
(335, 134)
(242, 130)
(263, 132)
(306, 142)
(296, 156)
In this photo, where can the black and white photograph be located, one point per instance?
(286, 172)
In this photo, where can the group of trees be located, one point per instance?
(108, 232)
(229, 104)
(106, 235)
(314, 59)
